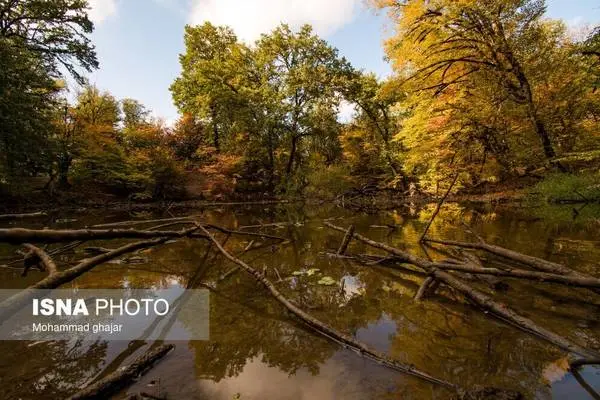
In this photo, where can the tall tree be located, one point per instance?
(442, 43)
(305, 71)
(37, 39)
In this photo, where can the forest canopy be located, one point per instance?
(489, 89)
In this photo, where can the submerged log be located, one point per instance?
(534, 262)
(481, 299)
(8, 217)
(325, 330)
(20, 235)
(122, 378)
(346, 241)
(570, 280)
(40, 256)
(424, 288)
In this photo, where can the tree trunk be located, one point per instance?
(215, 128)
(271, 159)
(290, 164)
(64, 164)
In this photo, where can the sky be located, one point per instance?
(138, 42)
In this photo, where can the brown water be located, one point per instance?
(257, 351)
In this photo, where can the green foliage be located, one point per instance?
(328, 182)
(37, 39)
(56, 31)
(27, 98)
(280, 94)
(569, 187)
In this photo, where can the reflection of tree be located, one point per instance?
(442, 336)
(50, 370)
(244, 324)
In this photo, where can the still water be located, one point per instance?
(257, 351)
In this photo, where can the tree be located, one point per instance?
(134, 113)
(202, 89)
(37, 39)
(55, 30)
(187, 137)
(304, 70)
(27, 102)
(274, 94)
(443, 43)
(375, 101)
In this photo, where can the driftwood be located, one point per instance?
(534, 262)
(424, 288)
(346, 241)
(8, 217)
(20, 235)
(326, 330)
(437, 208)
(122, 378)
(52, 281)
(481, 299)
(571, 280)
(38, 255)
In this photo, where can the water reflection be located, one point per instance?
(257, 351)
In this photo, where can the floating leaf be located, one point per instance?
(327, 281)
(312, 271)
(298, 273)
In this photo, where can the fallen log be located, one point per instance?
(41, 256)
(8, 217)
(11, 305)
(481, 299)
(147, 221)
(424, 288)
(346, 241)
(122, 378)
(234, 232)
(437, 208)
(534, 262)
(326, 330)
(570, 280)
(20, 235)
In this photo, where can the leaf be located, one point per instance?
(312, 271)
(327, 281)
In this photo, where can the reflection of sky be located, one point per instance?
(569, 388)
(344, 376)
(379, 334)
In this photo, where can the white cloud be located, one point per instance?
(101, 10)
(250, 18)
(346, 111)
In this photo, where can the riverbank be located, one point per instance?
(527, 190)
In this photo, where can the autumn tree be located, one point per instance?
(378, 115)
(442, 43)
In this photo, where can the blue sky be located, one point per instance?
(138, 41)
